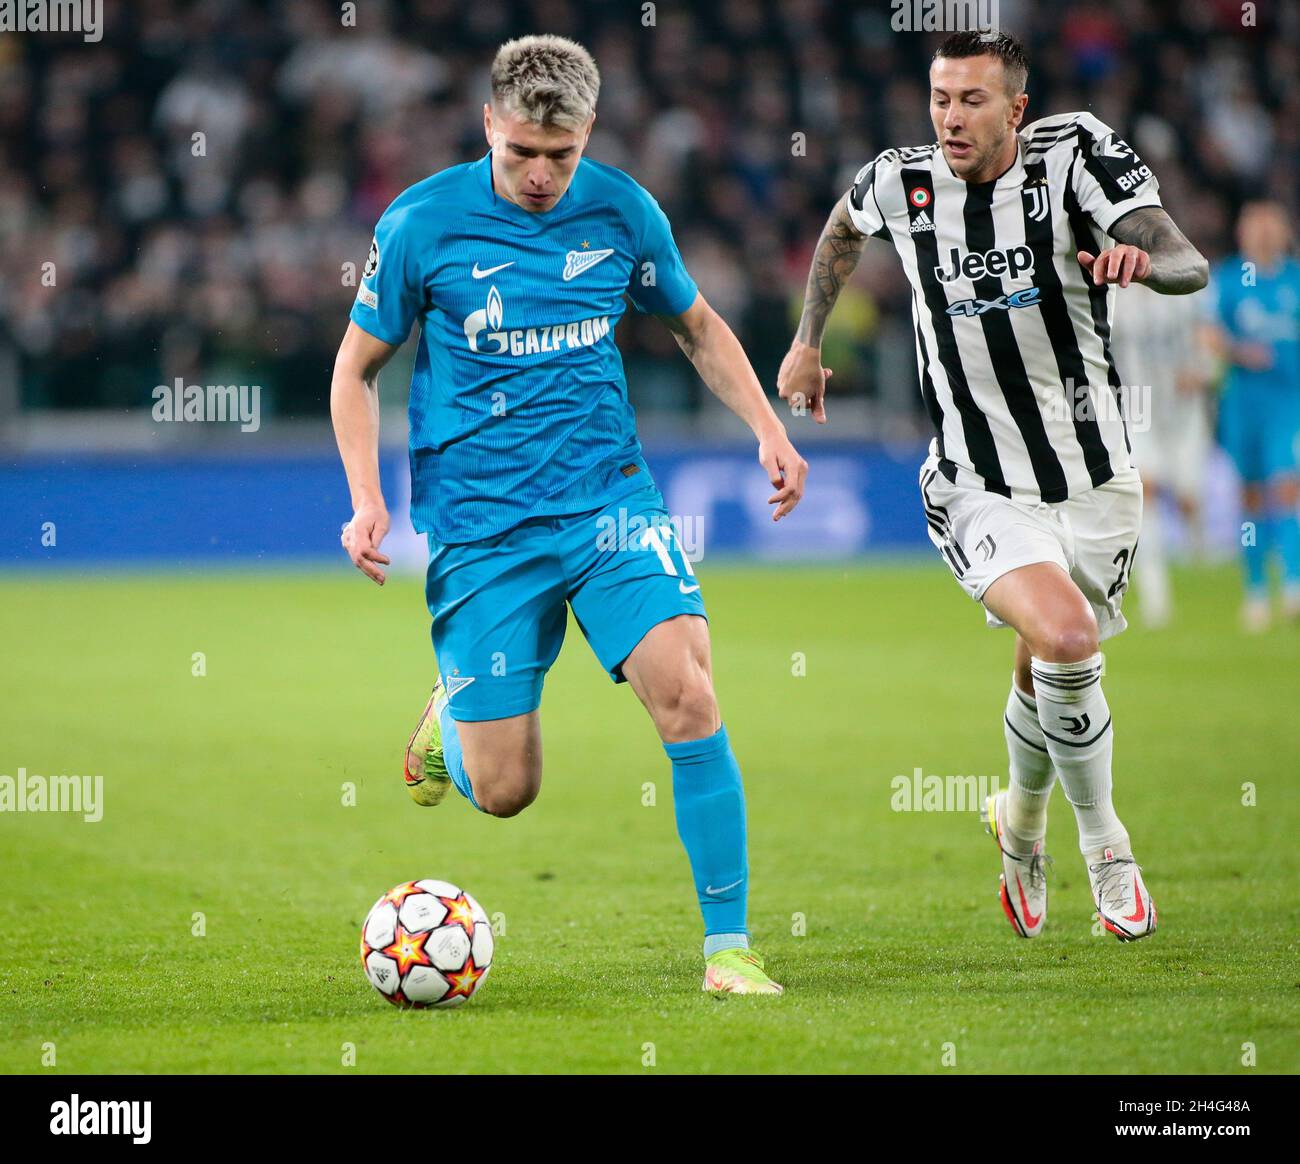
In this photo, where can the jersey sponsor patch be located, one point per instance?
(367, 298)
(527, 341)
(1013, 261)
(1117, 158)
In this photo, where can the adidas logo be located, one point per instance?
(921, 223)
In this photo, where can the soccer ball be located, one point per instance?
(426, 943)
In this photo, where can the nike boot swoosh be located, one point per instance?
(1030, 919)
(1140, 913)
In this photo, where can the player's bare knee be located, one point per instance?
(506, 798)
(506, 787)
(1070, 641)
(688, 710)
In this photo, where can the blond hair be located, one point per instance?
(546, 80)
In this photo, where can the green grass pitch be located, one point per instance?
(223, 796)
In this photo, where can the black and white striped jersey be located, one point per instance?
(1012, 338)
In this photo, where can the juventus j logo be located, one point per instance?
(987, 546)
(1039, 202)
(1076, 725)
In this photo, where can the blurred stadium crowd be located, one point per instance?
(226, 267)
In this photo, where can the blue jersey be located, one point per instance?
(519, 403)
(1266, 313)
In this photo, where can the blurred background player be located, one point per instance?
(1159, 352)
(1256, 316)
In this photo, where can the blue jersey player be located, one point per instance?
(1257, 312)
(527, 475)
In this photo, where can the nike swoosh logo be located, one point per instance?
(1140, 913)
(714, 892)
(687, 589)
(1030, 920)
(491, 270)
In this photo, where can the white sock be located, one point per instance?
(1076, 726)
(1032, 775)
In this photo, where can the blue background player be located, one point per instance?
(1257, 313)
(527, 474)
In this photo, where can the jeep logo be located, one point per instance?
(1013, 261)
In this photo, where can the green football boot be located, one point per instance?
(738, 971)
(425, 770)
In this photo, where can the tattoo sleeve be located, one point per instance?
(1177, 267)
(836, 258)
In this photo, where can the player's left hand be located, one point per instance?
(786, 469)
(361, 537)
(1123, 264)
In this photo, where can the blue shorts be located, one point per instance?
(499, 605)
(1259, 430)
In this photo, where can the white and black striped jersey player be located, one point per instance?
(1012, 237)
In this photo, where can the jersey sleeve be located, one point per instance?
(864, 205)
(1110, 180)
(660, 284)
(391, 295)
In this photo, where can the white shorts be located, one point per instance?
(1092, 537)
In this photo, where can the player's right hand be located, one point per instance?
(802, 381)
(361, 537)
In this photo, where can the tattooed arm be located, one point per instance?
(802, 379)
(1153, 251)
(836, 258)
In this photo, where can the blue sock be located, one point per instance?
(709, 802)
(453, 756)
(1286, 530)
(1255, 558)
(717, 942)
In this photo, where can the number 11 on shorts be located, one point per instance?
(658, 538)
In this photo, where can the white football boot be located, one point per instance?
(1123, 903)
(1024, 876)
